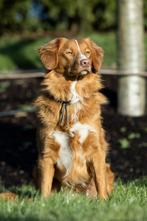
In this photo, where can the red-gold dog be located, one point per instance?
(71, 140)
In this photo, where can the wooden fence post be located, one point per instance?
(131, 91)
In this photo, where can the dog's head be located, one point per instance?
(71, 57)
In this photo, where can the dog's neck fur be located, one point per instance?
(71, 91)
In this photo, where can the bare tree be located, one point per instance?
(131, 95)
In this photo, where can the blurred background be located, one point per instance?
(25, 26)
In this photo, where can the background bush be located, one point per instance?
(61, 15)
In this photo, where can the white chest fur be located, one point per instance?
(63, 139)
(75, 96)
(65, 154)
(75, 100)
(82, 129)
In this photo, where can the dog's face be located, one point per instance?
(71, 57)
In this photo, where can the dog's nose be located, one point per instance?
(84, 62)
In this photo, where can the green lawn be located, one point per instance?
(127, 203)
(21, 53)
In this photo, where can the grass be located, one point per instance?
(127, 203)
(21, 53)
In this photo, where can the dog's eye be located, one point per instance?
(68, 52)
(87, 52)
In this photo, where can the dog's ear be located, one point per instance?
(97, 55)
(49, 53)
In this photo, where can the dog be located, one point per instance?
(71, 140)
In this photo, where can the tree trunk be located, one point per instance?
(131, 94)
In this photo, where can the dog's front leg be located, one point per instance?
(100, 173)
(46, 174)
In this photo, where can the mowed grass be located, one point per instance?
(22, 53)
(127, 203)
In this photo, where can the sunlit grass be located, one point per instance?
(127, 203)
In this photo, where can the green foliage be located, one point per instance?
(14, 14)
(70, 15)
(59, 14)
(80, 15)
(128, 202)
(105, 15)
(134, 135)
(75, 16)
(124, 143)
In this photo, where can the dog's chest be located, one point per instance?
(63, 138)
(66, 158)
(66, 152)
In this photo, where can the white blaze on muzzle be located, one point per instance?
(81, 56)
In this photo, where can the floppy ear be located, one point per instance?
(49, 53)
(97, 55)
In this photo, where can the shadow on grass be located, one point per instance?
(140, 182)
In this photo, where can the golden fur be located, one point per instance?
(71, 140)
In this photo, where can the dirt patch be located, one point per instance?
(127, 136)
